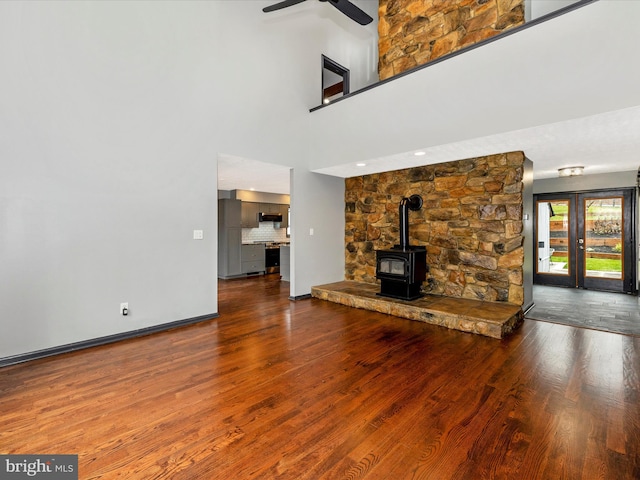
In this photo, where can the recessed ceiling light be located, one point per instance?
(326, 101)
(419, 154)
(361, 164)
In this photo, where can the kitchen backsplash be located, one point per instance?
(264, 233)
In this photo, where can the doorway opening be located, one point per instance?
(335, 80)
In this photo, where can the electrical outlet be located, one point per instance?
(124, 308)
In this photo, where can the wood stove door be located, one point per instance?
(392, 268)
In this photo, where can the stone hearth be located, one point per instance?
(491, 319)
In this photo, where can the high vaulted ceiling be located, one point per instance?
(606, 141)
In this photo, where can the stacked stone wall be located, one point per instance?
(414, 32)
(470, 223)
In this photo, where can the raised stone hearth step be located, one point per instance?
(491, 319)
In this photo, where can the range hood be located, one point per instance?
(269, 217)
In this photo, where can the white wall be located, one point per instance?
(318, 257)
(104, 175)
(563, 65)
(538, 8)
(112, 116)
(586, 182)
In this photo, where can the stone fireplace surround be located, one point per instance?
(471, 225)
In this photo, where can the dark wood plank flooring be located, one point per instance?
(316, 390)
(606, 311)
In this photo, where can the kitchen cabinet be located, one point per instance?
(229, 213)
(285, 262)
(270, 208)
(229, 260)
(252, 256)
(277, 208)
(229, 238)
(235, 259)
(284, 209)
(249, 214)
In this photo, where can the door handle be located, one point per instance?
(581, 243)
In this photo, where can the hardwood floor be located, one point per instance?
(316, 390)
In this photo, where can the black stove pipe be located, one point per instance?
(414, 202)
(403, 211)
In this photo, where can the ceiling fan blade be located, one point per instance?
(351, 11)
(278, 6)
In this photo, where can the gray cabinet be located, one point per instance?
(270, 208)
(277, 208)
(235, 259)
(249, 214)
(252, 258)
(284, 209)
(229, 260)
(229, 213)
(229, 238)
(285, 263)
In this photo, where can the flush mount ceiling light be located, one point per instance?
(361, 164)
(570, 171)
(419, 154)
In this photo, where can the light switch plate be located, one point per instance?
(198, 234)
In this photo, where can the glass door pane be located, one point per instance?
(553, 237)
(603, 238)
(605, 254)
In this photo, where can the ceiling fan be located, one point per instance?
(345, 6)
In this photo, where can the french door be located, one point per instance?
(586, 240)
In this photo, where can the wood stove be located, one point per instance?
(402, 269)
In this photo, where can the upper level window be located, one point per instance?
(335, 80)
